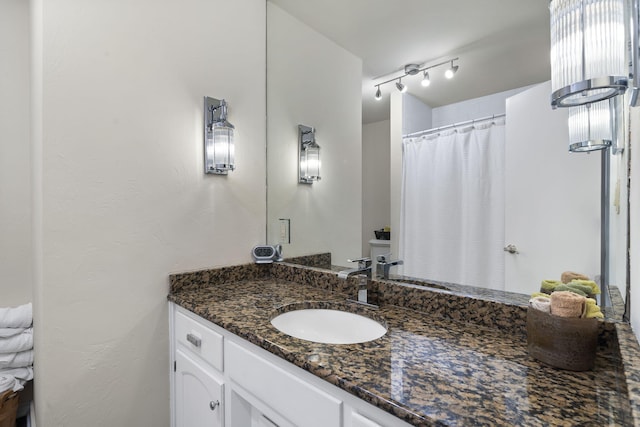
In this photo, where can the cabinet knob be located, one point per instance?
(213, 405)
(194, 340)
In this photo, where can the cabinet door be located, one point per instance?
(198, 395)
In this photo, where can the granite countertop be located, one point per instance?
(449, 366)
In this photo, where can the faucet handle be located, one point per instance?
(362, 262)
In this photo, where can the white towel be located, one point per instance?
(8, 382)
(16, 343)
(17, 317)
(9, 332)
(21, 374)
(21, 359)
(14, 378)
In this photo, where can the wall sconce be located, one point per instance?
(588, 51)
(309, 155)
(219, 150)
(591, 126)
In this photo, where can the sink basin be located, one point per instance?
(328, 326)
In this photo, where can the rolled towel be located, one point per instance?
(568, 276)
(575, 288)
(17, 317)
(567, 304)
(548, 286)
(16, 343)
(592, 310)
(541, 303)
(593, 286)
(539, 294)
(21, 359)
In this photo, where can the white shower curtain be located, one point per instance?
(452, 213)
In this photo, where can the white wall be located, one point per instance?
(314, 82)
(634, 212)
(122, 200)
(376, 203)
(618, 213)
(395, 168)
(552, 217)
(475, 108)
(417, 114)
(15, 152)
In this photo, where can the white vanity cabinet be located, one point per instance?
(198, 382)
(220, 379)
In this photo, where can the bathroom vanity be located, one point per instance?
(447, 358)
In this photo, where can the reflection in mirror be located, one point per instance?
(324, 63)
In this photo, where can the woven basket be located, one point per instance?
(562, 342)
(8, 408)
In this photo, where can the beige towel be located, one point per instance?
(567, 304)
(541, 303)
(568, 276)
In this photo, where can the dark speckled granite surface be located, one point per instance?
(447, 359)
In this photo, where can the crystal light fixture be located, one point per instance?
(592, 126)
(588, 51)
(219, 149)
(309, 154)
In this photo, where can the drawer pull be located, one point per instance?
(194, 340)
(213, 405)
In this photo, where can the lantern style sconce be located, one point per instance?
(219, 151)
(309, 155)
(588, 51)
(592, 126)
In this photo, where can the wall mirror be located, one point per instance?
(324, 60)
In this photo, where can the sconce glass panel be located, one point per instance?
(219, 146)
(309, 155)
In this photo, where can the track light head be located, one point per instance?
(425, 80)
(451, 71)
(378, 94)
(402, 88)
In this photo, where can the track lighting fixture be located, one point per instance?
(413, 69)
(425, 80)
(451, 71)
(378, 94)
(402, 88)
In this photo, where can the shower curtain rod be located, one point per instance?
(468, 122)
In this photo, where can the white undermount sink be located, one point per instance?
(328, 326)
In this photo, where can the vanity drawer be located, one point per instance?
(282, 391)
(199, 340)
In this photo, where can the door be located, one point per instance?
(198, 395)
(552, 197)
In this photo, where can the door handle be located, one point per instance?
(511, 249)
(213, 405)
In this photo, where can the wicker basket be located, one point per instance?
(8, 408)
(561, 342)
(382, 235)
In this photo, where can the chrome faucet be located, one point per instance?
(383, 266)
(364, 267)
